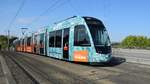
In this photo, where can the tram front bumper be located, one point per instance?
(101, 58)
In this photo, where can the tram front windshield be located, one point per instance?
(99, 34)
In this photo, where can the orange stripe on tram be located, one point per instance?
(81, 56)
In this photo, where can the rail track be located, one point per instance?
(20, 75)
(41, 73)
(45, 70)
(117, 72)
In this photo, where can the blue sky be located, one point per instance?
(121, 17)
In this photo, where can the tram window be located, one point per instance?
(41, 42)
(81, 37)
(66, 36)
(58, 38)
(42, 39)
(35, 41)
(51, 39)
(18, 43)
(28, 41)
(23, 42)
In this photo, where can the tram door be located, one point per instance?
(45, 43)
(66, 43)
(42, 44)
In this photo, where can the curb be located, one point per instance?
(138, 60)
(133, 55)
(135, 59)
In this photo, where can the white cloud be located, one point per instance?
(29, 20)
(24, 20)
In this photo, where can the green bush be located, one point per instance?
(4, 41)
(136, 42)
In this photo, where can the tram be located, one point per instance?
(79, 39)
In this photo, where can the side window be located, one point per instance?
(81, 37)
(23, 42)
(51, 39)
(29, 41)
(42, 39)
(35, 40)
(58, 38)
(18, 43)
(66, 36)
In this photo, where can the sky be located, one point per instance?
(121, 17)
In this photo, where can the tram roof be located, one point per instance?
(66, 23)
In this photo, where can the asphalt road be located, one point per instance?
(62, 72)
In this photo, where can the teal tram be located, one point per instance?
(79, 39)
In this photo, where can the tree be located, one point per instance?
(4, 41)
(148, 43)
(142, 41)
(136, 42)
(129, 42)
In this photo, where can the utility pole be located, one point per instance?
(8, 39)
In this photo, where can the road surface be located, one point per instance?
(46, 70)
